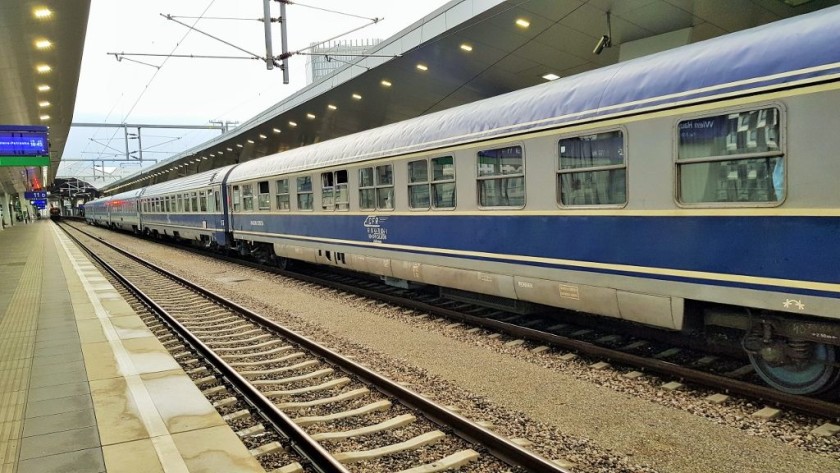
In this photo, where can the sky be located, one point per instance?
(186, 91)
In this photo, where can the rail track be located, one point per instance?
(332, 413)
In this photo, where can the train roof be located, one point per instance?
(195, 181)
(786, 51)
(121, 196)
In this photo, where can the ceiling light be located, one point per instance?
(230, 149)
(42, 13)
(212, 155)
(262, 137)
(276, 130)
(205, 157)
(386, 83)
(238, 145)
(523, 22)
(466, 47)
(43, 104)
(251, 141)
(292, 124)
(45, 117)
(551, 76)
(42, 68)
(332, 107)
(357, 97)
(43, 44)
(43, 88)
(423, 67)
(310, 116)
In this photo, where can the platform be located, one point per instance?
(84, 385)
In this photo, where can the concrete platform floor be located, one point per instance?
(84, 385)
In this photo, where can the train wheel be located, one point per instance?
(814, 376)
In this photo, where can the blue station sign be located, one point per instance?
(35, 195)
(22, 145)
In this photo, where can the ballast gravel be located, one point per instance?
(596, 420)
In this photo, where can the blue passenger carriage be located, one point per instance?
(124, 210)
(188, 209)
(692, 188)
(96, 212)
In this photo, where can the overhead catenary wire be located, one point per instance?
(157, 71)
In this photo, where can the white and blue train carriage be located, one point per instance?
(96, 212)
(118, 211)
(694, 188)
(190, 208)
(123, 212)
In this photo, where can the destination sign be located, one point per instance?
(35, 195)
(22, 145)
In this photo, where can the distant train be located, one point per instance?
(55, 214)
(694, 190)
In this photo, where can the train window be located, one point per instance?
(218, 201)
(443, 182)
(327, 191)
(211, 203)
(247, 197)
(179, 203)
(501, 177)
(731, 158)
(592, 170)
(235, 196)
(283, 194)
(418, 184)
(202, 201)
(342, 195)
(367, 192)
(304, 193)
(264, 197)
(385, 187)
(376, 188)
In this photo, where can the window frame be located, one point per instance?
(248, 197)
(431, 183)
(558, 171)
(782, 152)
(310, 192)
(263, 198)
(235, 199)
(378, 186)
(371, 187)
(426, 182)
(479, 178)
(278, 195)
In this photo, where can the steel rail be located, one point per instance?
(300, 441)
(499, 446)
(805, 404)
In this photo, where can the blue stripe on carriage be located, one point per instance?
(799, 248)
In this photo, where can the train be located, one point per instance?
(55, 214)
(692, 190)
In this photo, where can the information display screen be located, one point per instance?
(22, 145)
